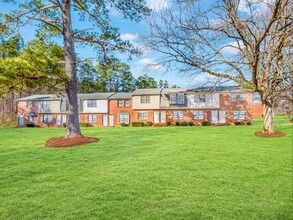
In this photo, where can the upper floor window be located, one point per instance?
(33, 104)
(233, 97)
(178, 98)
(177, 115)
(239, 114)
(92, 118)
(199, 115)
(47, 118)
(126, 103)
(200, 98)
(145, 99)
(242, 97)
(44, 104)
(142, 115)
(120, 103)
(32, 119)
(92, 103)
(28, 103)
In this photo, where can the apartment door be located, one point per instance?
(21, 120)
(105, 120)
(111, 120)
(156, 117)
(58, 120)
(163, 117)
(215, 117)
(63, 119)
(222, 117)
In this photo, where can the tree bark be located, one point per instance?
(267, 103)
(72, 120)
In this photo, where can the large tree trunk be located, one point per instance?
(267, 103)
(72, 121)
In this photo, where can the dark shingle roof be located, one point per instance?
(101, 95)
(156, 91)
(121, 95)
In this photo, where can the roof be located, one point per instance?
(101, 95)
(48, 97)
(121, 95)
(156, 91)
(171, 90)
(217, 89)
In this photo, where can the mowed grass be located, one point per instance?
(148, 173)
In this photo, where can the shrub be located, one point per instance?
(168, 123)
(177, 123)
(237, 123)
(84, 125)
(191, 123)
(64, 125)
(124, 125)
(205, 123)
(249, 123)
(148, 123)
(30, 125)
(184, 123)
(137, 124)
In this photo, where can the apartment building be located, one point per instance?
(219, 106)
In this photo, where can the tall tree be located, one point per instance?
(146, 81)
(56, 15)
(245, 41)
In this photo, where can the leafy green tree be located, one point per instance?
(87, 78)
(11, 47)
(56, 17)
(145, 81)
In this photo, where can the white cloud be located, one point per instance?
(231, 48)
(128, 36)
(157, 5)
(150, 64)
(243, 6)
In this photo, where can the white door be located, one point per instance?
(163, 117)
(156, 117)
(105, 120)
(111, 120)
(58, 120)
(63, 119)
(222, 117)
(215, 118)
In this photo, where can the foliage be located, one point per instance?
(237, 123)
(184, 123)
(177, 123)
(159, 173)
(168, 123)
(149, 123)
(145, 81)
(205, 123)
(191, 123)
(123, 125)
(137, 124)
(85, 124)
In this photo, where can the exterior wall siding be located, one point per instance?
(102, 107)
(154, 102)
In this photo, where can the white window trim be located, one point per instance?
(177, 115)
(145, 99)
(242, 97)
(92, 118)
(144, 115)
(239, 115)
(47, 118)
(233, 97)
(198, 115)
(93, 103)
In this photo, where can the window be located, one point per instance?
(180, 98)
(92, 103)
(242, 97)
(199, 115)
(44, 105)
(200, 98)
(47, 118)
(126, 103)
(92, 118)
(145, 99)
(142, 115)
(233, 97)
(120, 103)
(34, 104)
(32, 119)
(173, 99)
(123, 117)
(177, 115)
(28, 103)
(239, 115)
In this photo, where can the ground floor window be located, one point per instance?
(239, 114)
(177, 115)
(142, 115)
(32, 119)
(47, 118)
(123, 118)
(199, 115)
(92, 118)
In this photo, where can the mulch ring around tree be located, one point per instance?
(273, 135)
(291, 120)
(63, 142)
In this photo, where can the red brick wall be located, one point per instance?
(257, 110)
(114, 110)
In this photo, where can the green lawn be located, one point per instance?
(148, 173)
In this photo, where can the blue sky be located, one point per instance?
(129, 31)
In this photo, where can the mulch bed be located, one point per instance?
(69, 142)
(291, 120)
(266, 135)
